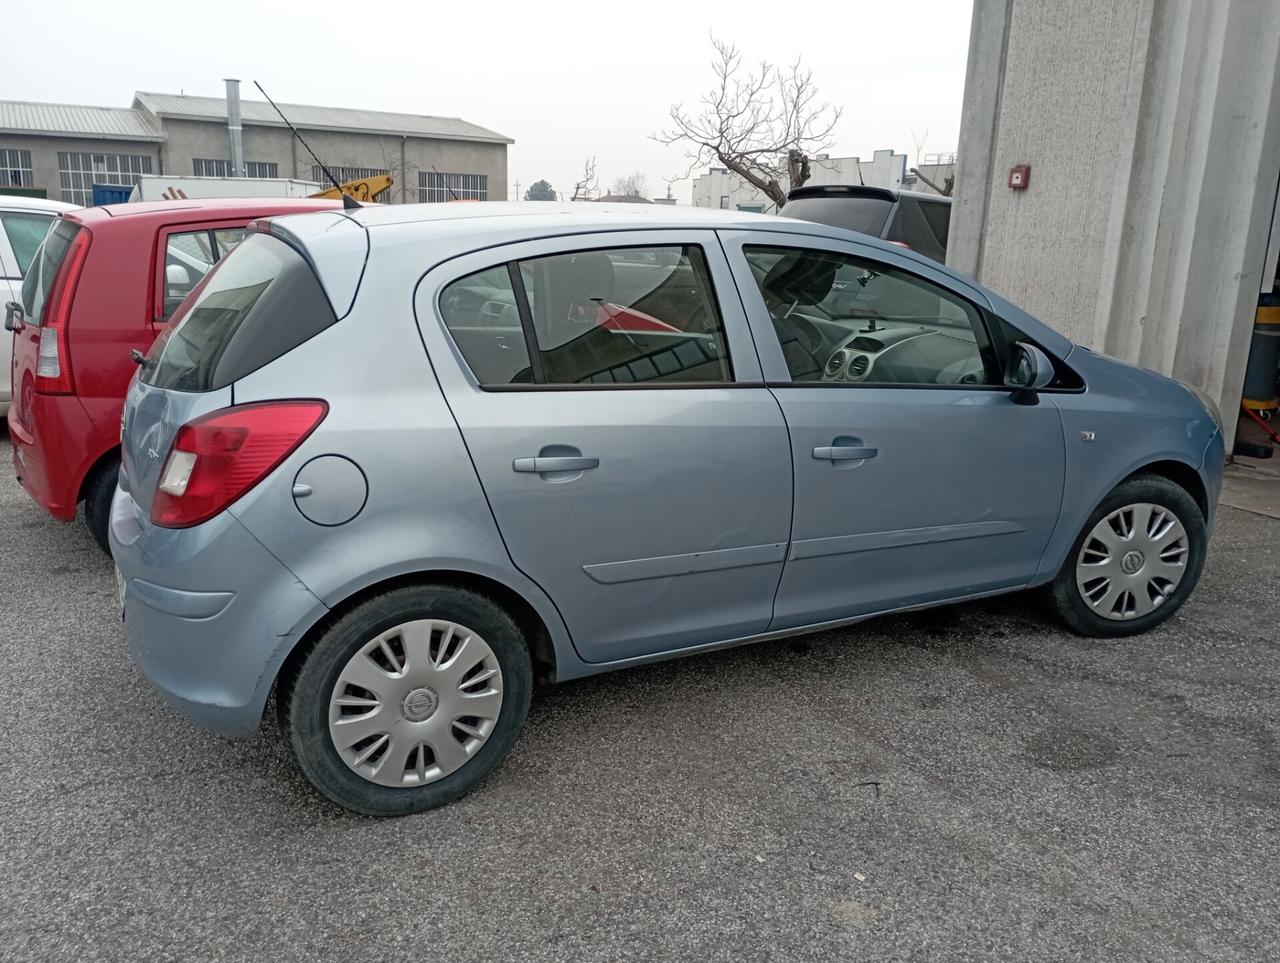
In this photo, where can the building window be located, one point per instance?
(222, 168)
(724, 202)
(434, 187)
(211, 168)
(15, 167)
(78, 172)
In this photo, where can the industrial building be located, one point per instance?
(720, 187)
(61, 150)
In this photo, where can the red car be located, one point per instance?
(101, 287)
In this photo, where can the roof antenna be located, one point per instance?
(348, 202)
(444, 180)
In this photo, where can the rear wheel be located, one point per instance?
(1135, 562)
(98, 492)
(407, 701)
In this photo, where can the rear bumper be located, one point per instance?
(49, 451)
(209, 614)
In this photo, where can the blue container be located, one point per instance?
(111, 193)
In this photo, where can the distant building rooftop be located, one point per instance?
(184, 106)
(74, 120)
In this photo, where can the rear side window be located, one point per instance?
(25, 232)
(189, 256)
(604, 317)
(44, 268)
(922, 226)
(260, 302)
(866, 215)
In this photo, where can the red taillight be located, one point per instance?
(53, 359)
(901, 244)
(216, 459)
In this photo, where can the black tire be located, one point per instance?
(307, 682)
(98, 493)
(1063, 595)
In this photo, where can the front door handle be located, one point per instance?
(541, 465)
(844, 453)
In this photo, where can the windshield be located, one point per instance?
(864, 214)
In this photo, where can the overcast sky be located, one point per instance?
(566, 80)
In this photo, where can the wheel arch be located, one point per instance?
(537, 633)
(1181, 474)
(95, 466)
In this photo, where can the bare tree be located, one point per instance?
(948, 183)
(763, 125)
(633, 185)
(585, 187)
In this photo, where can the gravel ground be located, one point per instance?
(968, 783)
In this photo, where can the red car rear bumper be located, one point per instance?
(48, 451)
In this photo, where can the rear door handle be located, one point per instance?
(844, 453)
(562, 463)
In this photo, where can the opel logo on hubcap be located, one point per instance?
(1132, 562)
(420, 704)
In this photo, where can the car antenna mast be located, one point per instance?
(348, 202)
(445, 181)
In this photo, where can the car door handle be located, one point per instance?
(844, 453)
(562, 463)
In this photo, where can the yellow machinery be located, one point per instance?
(364, 190)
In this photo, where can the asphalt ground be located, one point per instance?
(967, 783)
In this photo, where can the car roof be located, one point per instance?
(194, 209)
(20, 202)
(862, 190)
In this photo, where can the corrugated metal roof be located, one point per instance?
(318, 118)
(73, 120)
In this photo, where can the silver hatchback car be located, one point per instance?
(396, 464)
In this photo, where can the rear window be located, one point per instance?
(25, 232)
(44, 268)
(864, 214)
(258, 303)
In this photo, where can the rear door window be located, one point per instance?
(918, 226)
(260, 302)
(44, 268)
(602, 317)
(25, 231)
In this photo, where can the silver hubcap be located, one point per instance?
(1132, 561)
(415, 703)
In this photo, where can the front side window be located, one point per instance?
(621, 316)
(25, 231)
(846, 319)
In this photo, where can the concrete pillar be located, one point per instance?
(1152, 128)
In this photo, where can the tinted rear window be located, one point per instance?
(260, 302)
(44, 268)
(864, 214)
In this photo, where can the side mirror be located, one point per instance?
(176, 275)
(14, 316)
(1029, 370)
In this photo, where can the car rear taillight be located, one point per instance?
(53, 360)
(217, 458)
(901, 244)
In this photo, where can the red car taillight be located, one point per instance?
(53, 359)
(217, 458)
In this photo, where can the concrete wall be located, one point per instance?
(44, 155)
(1152, 128)
(203, 139)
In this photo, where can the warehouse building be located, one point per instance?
(61, 150)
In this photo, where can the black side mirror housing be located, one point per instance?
(1030, 370)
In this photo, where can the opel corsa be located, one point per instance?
(396, 464)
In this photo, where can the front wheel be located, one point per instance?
(407, 701)
(1136, 561)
